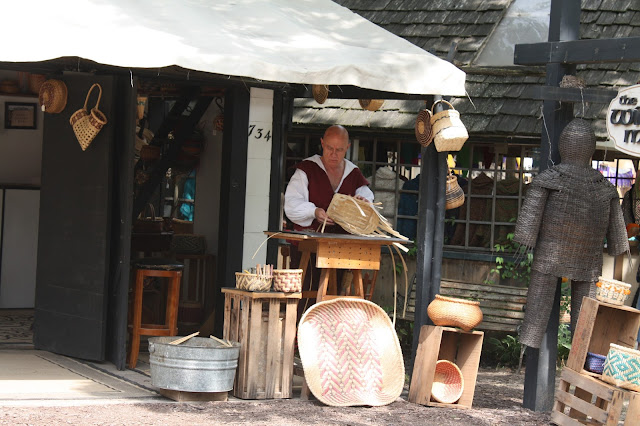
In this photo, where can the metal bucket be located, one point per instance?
(197, 365)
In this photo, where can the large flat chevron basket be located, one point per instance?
(350, 353)
(622, 367)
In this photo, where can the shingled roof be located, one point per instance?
(495, 106)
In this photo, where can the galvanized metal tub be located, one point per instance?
(197, 365)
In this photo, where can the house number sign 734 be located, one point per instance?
(259, 132)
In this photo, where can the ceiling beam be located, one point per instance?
(569, 94)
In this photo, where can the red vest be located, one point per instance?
(321, 192)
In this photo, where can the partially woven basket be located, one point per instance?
(423, 129)
(253, 282)
(621, 367)
(448, 383)
(53, 96)
(87, 124)
(320, 92)
(454, 195)
(454, 312)
(612, 291)
(188, 243)
(371, 104)
(358, 217)
(350, 353)
(287, 280)
(449, 134)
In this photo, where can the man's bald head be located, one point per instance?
(336, 131)
(335, 144)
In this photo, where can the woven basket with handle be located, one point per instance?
(449, 134)
(454, 195)
(87, 124)
(359, 217)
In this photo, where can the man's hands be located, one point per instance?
(321, 215)
(360, 197)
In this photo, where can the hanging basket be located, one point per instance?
(320, 92)
(449, 134)
(53, 96)
(454, 194)
(371, 104)
(424, 131)
(87, 124)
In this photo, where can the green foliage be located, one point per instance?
(404, 329)
(517, 266)
(564, 343)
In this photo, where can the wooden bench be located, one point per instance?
(502, 307)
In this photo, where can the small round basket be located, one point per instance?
(453, 312)
(371, 104)
(594, 362)
(423, 129)
(253, 282)
(612, 291)
(53, 96)
(320, 92)
(287, 280)
(448, 383)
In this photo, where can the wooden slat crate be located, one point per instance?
(600, 324)
(460, 347)
(502, 307)
(265, 325)
(584, 399)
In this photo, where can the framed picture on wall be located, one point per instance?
(20, 115)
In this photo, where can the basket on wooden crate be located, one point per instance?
(454, 312)
(253, 282)
(287, 280)
(622, 367)
(449, 134)
(594, 362)
(612, 291)
(359, 217)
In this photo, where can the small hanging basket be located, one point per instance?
(449, 134)
(320, 92)
(371, 104)
(424, 131)
(53, 96)
(454, 194)
(87, 124)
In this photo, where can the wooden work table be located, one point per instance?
(337, 251)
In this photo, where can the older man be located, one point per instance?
(317, 178)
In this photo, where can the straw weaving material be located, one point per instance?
(569, 210)
(359, 217)
(350, 353)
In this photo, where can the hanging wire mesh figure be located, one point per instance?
(569, 210)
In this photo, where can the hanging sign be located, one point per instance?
(623, 120)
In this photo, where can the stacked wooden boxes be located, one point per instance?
(265, 325)
(581, 396)
(460, 347)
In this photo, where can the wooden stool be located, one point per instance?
(154, 267)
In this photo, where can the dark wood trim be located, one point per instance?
(122, 205)
(569, 94)
(233, 190)
(277, 178)
(579, 52)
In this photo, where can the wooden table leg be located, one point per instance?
(304, 263)
(357, 283)
(323, 284)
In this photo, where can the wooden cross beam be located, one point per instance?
(569, 94)
(578, 52)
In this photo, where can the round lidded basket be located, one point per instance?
(287, 280)
(453, 312)
(53, 96)
(371, 104)
(612, 291)
(253, 282)
(448, 383)
(423, 128)
(621, 367)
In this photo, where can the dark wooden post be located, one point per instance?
(539, 383)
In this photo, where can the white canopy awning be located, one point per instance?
(293, 41)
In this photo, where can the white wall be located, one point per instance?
(207, 206)
(258, 177)
(20, 149)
